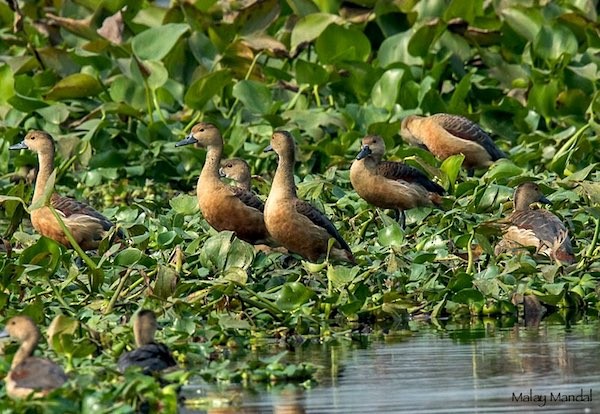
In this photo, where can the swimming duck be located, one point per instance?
(445, 135)
(220, 203)
(294, 223)
(87, 226)
(538, 228)
(28, 374)
(149, 355)
(389, 184)
(237, 169)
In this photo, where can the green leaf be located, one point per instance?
(203, 89)
(451, 167)
(7, 83)
(310, 73)
(310, 27)
(128, 257)
(255, 96)
(126, 90)
(45, 253)
(340, 276)
(157, 42)
(385, 91)
(293, 295)
(423, 38)
(391, 235)
(394, 49)
(526, 22)
(339, 44)
(257, 17)
(166, 282)
(78, 85)
(184, 204)
(468, 296)
(552, 42)
(158, 74)
(503, 168)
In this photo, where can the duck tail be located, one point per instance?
(436, 199)
(563, 256)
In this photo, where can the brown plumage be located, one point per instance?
(537, 228)
(149, 355)
(294, 223)
(237, 169)
(87, 226)
(389, 184)
(445, 135)
(28, 374)
(219, 203)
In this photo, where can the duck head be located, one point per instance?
(21, 328)
(282, 143)
(144, 327)
(235, 169)
(36, 141)
(372, 145)
(203, 134)
(528, 193)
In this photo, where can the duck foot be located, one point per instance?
(400, 218)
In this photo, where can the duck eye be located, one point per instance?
(202, 130)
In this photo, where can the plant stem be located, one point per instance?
(113, 300)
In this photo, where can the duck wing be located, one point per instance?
(394, 170)
(319, 219)
(466, 129)
(248, 198)
(71, 208)
(545, 225)
(38, 374)
(151, 358)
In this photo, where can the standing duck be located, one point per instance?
(237, 169)
(87, 226)
(294, 223)
(538, 228)
(219, 203)
(151, 356)
(445, 135)
(389, 184)
(28, 374)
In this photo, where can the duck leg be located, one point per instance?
(400, 218)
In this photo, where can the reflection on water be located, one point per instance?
(549, 367)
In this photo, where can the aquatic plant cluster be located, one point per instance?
(118, 84)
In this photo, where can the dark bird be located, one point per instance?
(445, 135)
(294, 223)
(87, 226)
(151, 356)
(221, 205)
(390, 184)
(537, 228)
(28, 374)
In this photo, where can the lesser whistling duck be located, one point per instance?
(538, 228)
(219, 203)
(28, 374)
(445, 135)
(390, 184)
(87, 226)
(294, 223)
(149, 355)
(237, 169)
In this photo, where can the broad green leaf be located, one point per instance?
(310, 27)
(394, 49)
(156, 42)
(257, 17)
(468, 296)
(503, 168)
(451, 167)
(339, 44)
(526, 22)
(126, 90)
(553, 41)
(128, 257)
(255, 96)
(391, 235)
(203, 89)
(385, 92)
(7, 83)
(341, 275)
(158, 74)
(542, 97)
(421, 41)
(45, 253)
(293, 295)
(166, 282)
(78, 85)
(310, 73)
(184, 204)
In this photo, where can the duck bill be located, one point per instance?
(544, 200)
(221, 172)
(187, 141)
(21, 145)
(4, 334)
(269, 148)
(365, 151)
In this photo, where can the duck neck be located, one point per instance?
(521, 203)
(210, 171)
(283, 181)
(46, 166)
(25, 350)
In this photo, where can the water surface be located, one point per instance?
(550, 367)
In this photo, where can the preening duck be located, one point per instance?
(537, 228)
(445, 135)
(237, 170)
(28, 374)
(390, 184)
(151, 356)
(294, 223)
(220, 203)
(87, 226)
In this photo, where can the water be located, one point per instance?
(520, 369)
